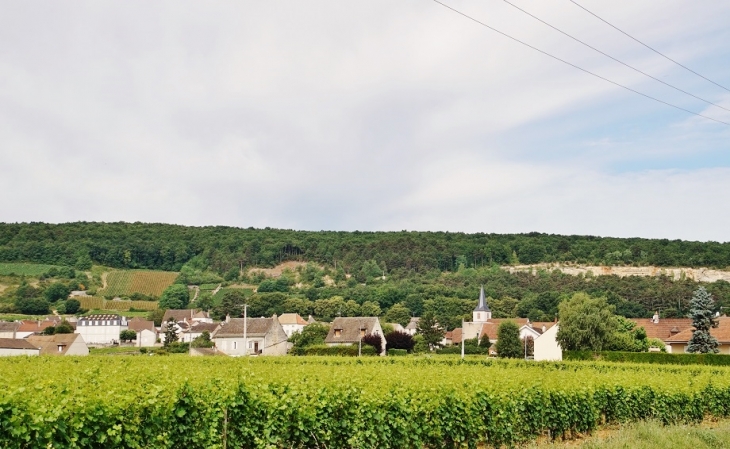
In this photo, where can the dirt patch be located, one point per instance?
(696, 274)
(3, 288)
(277, 270)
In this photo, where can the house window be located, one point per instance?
(338, 332)
(250, 345)
(114, 323)
(362, 332)
(479, 316)
(235, 345)
(60, 348)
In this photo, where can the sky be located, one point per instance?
(370, 115)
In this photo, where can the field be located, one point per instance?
(97, 302)
(169, 401)
(24, 269)
(127, 282)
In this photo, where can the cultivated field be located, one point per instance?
(24, 269)
(418, 402)
(97, 302)
(127, 282)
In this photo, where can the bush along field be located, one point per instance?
(398, 402)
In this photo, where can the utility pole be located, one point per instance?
(245, 329)
(462, 338)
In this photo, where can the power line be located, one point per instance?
(577, 67)
(615, 59)
(645, 45)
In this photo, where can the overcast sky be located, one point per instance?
(368, 115)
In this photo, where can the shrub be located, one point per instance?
(397, 352)
(343, 350)
(375, 341)
(399, 340)
(661, 358)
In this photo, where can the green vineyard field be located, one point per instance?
(97, 302)
(24, 269)
(409, 402)
(127, 282)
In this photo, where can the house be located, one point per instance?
(263, 336)
(30, 327)
(146, 331)
(663, 329)
(101, 329)
(9, 329)
(397, 327)
(191, 331)
(17, 346)
(186, 315)
(60, 344)
(412, 326)
(292, 322)
(678, 342)
(349, 330)
(546, 347)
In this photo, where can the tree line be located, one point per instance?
(222, 249)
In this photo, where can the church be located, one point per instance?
(483, 325)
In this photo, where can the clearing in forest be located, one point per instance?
(127, 282)
(24, 269)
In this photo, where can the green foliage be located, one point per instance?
(56, 291)
(468, 350)
(430, 330)
(449, 312)
(397, 352)
(398, 313)
(232, 304)
(509, 344)
(661, 358)
(370, 308)
(342, 350)
(274, 285)
(375, 341)
(170, 332)
(175, 296)
(24, 269)
(702, 313)
(156, 316)
(312, 335)
(72, 306)
(202, 341)
(127, 335)
(64, 327)
(586, 323)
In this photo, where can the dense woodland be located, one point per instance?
(392, 274)
(169, 247)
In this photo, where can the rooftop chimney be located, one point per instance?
(655, 318)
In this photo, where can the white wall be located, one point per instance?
(100, 335)
(146, 338)
(10, 352)
(289, 329)
(547, 347)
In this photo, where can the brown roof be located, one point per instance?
(184, 314)
(256, 327)
(292, 318)
(201, 327)
(9, 326)
(108, 317)
(35, 326)
(490, 328)
(665, 328)
(49, 343)
(349, 328)
(456, 335)
(16, 343)
(137, 324)
(721, 332)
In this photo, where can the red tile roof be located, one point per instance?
(665, 328)
(721, 332)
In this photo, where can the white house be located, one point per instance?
(146, 332)
(60, 344)
(9, 329)
(547, 347)
(101, 329)
(412, 326)
(263, 336)
(191, 331)
(16, 346)
(292, 322)
(349, 331)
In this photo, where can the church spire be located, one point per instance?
(482, 313)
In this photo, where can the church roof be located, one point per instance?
(482, 307)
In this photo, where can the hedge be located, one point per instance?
(661, 358)
(343, 350)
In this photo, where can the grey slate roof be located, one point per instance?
(482, 306)
(349, 328)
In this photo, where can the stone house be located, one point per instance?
(101, 329)
(292, 322)
(264, 336)
(9, 329)
(349, 331)
(17, 346)
(146, 332)
(60, 344)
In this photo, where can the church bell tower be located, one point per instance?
(482, 313)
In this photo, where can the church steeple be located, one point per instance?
(482, 313)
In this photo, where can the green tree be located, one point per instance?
(202, 341)
(72, 306)
(170, 332)
(370, 308)
(32, 306)
(64, 327)
(156, 316)
(83, 262)
(175, 296)
(231, 305)
(509, 344)
(702, 314)
(56, 291)
(398, 314)
(303, 307)
(313, 334)
(128, 335)
(431, 330)
(586, 323)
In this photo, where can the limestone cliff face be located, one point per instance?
(697, 274)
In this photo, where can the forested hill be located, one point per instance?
(168, 247)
